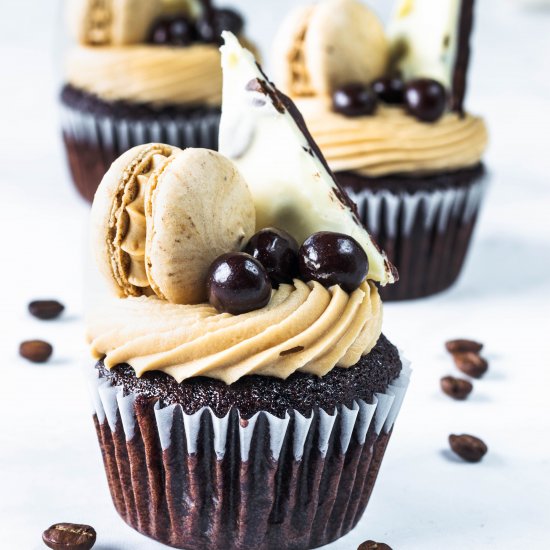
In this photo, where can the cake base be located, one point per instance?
(97, 132)
(423, 223)
(184, 476)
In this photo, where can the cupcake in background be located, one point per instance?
(140, 71)
(386, 108)
(243, 400)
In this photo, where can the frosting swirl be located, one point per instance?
(305, 328)
(393, 142)
(148, 74)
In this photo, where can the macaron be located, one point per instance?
(161, 216)
(115, 23)
(323, 46)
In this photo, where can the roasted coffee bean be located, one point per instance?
(425, 99)
(457, 388)
(389, 90)
(238, 283)
(69, 536)
(462, 345)
(371, 545)
(46, 309)
(36, 351)
(468, 447)
(471, 364)
(354, 99)
(333, 259)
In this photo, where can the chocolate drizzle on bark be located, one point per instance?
(463, 56)
(282, 104)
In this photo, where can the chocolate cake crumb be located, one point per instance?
(251, 394)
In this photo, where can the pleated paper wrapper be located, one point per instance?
(94, 140)
(200, 482)
(426, 234)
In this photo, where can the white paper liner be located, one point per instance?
(439, 206)
(117, 134)
(109, 404)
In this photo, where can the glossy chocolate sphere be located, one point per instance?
(425, 99)
(390, 90)
(277, 251)
(354, 100)
(333, 259)
(224, 19)
(237, 283)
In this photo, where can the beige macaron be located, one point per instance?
(117, 22)
(323, 46)
(161, 216)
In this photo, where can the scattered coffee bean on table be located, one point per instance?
(371, 545)
(46, 309)
(462, 346)
(468, 447)
(36, 351)
(69, 536)
(457, 388)
(471, 363)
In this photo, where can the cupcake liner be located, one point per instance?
(94, 140)
(202, 482)
(426, 234)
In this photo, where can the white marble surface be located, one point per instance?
(50, 466)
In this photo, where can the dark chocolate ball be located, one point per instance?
(354, 99)
(172, 31)
(390, 90)
(238, 283)
(182, 31)
(333, 259)
(160, 32)
(425, 99)
(223, 19)
(277, 251)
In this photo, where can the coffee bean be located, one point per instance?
(457, 388)
(471, 364)
(468, 447)
(69, 536)
(371, 545)
(46, 309)
(36, 351)
(462, 345)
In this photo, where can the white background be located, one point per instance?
(50, 466)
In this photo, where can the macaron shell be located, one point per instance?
(345, 42)
(116, 23)
(288, 58)
(110, 199)
(198, 208)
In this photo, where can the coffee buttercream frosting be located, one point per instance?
(305, 328)
(392, 142)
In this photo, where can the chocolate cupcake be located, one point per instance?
(140, 71)
(243, 400)
(386, 108)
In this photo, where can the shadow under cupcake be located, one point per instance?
(386, 110)
(140, 72)
(243, 400)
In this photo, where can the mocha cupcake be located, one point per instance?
(401, 146)
(140, 71)
(243, 400)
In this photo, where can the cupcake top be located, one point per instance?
(159, 52)
(202, 250)
(383, 101)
